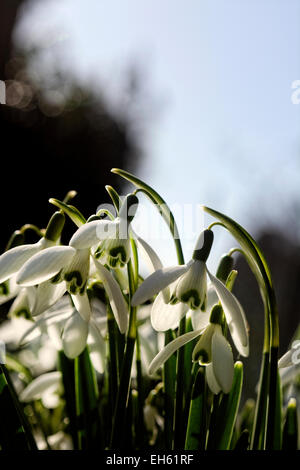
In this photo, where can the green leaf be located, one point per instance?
(74, 214)
(15, 433)
(86, 402)
(290, 430)
(267, 389)
(196, 429)
(228, 410)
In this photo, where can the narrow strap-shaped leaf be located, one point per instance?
(277, 436)
(15, 433)
(86, 402)
(228, 410)
(258, 264)
(243, 441)
(290, 430)
(169, 380)
(66, 366)
(74, 214)
(196, 429)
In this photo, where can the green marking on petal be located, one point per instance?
(23, 312)
(201, 356)
(4, 288)
(191, 297)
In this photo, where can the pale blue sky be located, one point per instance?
(220, 71)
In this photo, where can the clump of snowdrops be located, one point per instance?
(98, 357)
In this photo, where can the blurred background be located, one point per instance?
(194, 97)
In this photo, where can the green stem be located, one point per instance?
(169, 381)
(124, 388)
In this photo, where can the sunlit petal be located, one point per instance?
(75, 336)
(165, 316)
(222, 360)
(47, 294)
(234, 314)
(171, 347)
(211, 379)
(12, 260)
(82, 305)
(116, 299)
(42, 384)
(91, 233)
(45, 265)
(156, 282)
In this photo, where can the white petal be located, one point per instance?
(75, 336)
(171, 347)
(157, 282)
(54, 331)
(50, 399)
(12, 260)
(286, 359)
(222, 360)
(211, 379)
(153, 261)
(91, 233)
(116, 299)
(41, 385)
(22, 305)
(200, 319)
(165, 316)
(202, 350)
(151, 256)
(97, 348)
(200, 316)
(9, 289)
(292, 357)
(234, 314)
(82, 305)
(47, 294)
(45, 265)
(192, 286)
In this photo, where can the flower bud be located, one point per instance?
(55, 226)
(203, 246)
(224, 268)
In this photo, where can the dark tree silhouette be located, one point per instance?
(45, 150)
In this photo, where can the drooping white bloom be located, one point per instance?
(69, 332)
(187, 286)
(46, 387)
(211, 350)
(60, 264)
(110, 238)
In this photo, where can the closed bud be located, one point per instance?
(203, 246)
(55, 226)
(224, 268)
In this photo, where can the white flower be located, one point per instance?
(187, 286)
(60, 264)
(111, 238)
(69, 332)
(212, 350)
(12, 260)
(46, 387)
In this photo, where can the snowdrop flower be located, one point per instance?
(13, 259)
(186, 285)
(111, 238)
(70, 333)
(60, 264)
(211, 350)
(46, 387)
